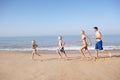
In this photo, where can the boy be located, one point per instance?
(99, 43)
(61, 48)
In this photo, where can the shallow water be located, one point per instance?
(111, 42)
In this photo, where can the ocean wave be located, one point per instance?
(55, 48)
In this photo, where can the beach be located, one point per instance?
(69, 27)
(20, 66)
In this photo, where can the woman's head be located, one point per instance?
(60, 38)
(82, 32)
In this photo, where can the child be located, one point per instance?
(61, 48)
(84, 44)
(34, 46)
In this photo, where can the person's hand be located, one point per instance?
(78, 41)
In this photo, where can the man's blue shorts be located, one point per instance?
(99, 45)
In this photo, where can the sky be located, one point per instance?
(58, 17)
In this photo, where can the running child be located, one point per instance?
(61, 48)
(34, 50)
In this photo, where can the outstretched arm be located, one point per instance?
(79, 40)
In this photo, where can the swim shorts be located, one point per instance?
(99, 45)
(61, 49)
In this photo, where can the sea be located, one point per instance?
(110, 42)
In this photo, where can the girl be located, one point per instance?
(84, 38)
(34, 46)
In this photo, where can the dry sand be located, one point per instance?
(20, 66)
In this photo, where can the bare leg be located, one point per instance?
(60, 56)
(37, 53)
(83, 56)
(66, 56)
(96, 52)
(32, 55)
(89, 53)
(105, 51)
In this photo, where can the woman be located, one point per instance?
(84, 38)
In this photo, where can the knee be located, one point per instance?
(33, 53)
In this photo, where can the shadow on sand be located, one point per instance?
(74, 58)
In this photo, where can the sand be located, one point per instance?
(20, 66)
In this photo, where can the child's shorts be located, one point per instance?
(61, 50)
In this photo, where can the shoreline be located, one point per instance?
(54, 51)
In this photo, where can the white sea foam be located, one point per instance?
(50, 43)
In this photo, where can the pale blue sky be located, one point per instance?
(58, 17)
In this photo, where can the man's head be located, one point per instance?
(95, 29)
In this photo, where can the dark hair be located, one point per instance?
(96, 28)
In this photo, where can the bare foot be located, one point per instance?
(90, 59)
(96, 57)
(60, 57)
(83, 58)
(67, 58)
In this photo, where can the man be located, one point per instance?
(99, 43)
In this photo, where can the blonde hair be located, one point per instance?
(33, 42)
(60, 37)
(82, 32)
